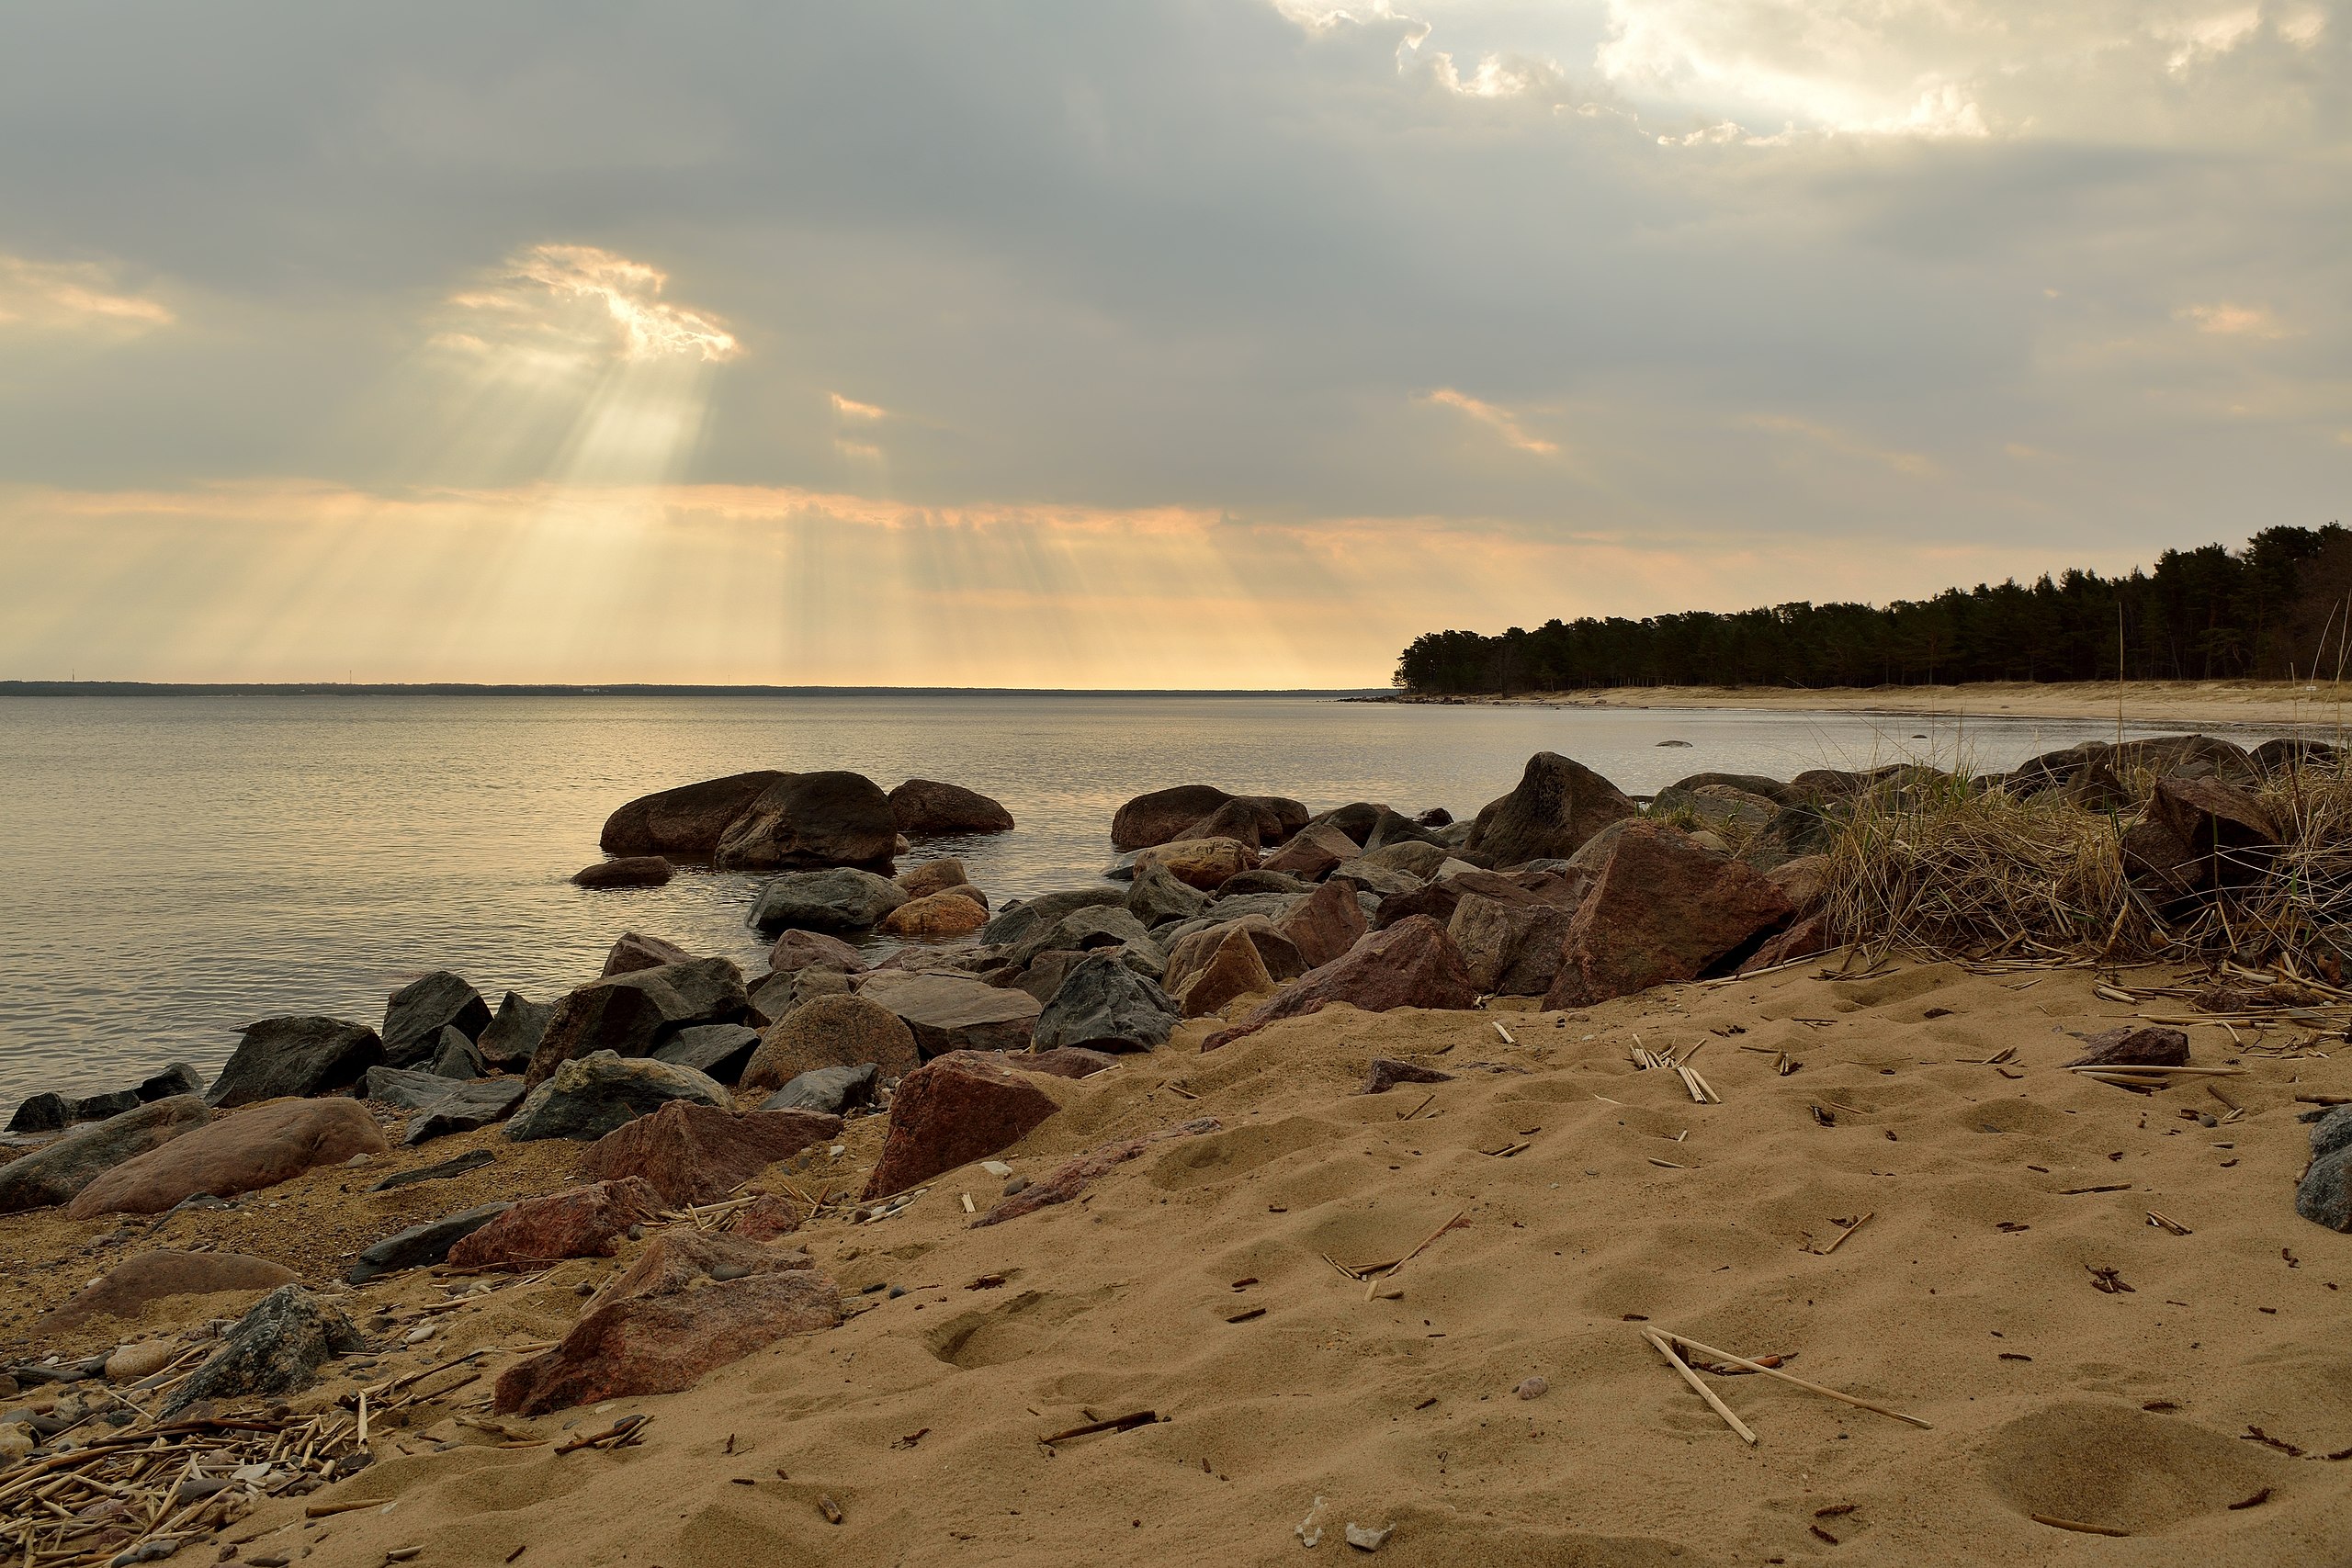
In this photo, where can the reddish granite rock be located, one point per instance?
(936, 915)
(579, 1222)
(1803, 882)
(1411, 965)
(1512, 948)
(1073, 1178)
(1557, 805)
(636, 950)
(1278, 954)
(1062, 1061)
(670, 1318)
(242, 1152)
(1811, 934)
(2154, 1046)
(765, 1218)
(153, 1276)
(696, 1154)
(797, 950)
(1661, 911)
(1385, 1072)
(1205, 863)
(932, 876)
(964, 1106)
(1326, 924)
(1313, 852)
(1234, 969)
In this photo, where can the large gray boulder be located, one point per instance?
(1107, 1005)
(1014, 923)
(422, 1243)
(925, 808)
(515, 1032)
(717, 1050)
(841, 899)
(1558, 803)
(804, 820)
(464, 1106)
(828, 1091)
(684, 822)
(421, 1009)
(951, 1012)
(280, 1056)
(1155, 897)
(636, 1013)
(278, 1347)
(57, 1172)
(590, 1096)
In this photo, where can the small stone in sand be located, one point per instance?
(1532, 1388)
(1363, 1538)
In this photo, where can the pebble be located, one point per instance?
(419, 1334)
(1363, 1538)
(1532, 1388)
(726, 1271)
(1015, 1185)
(584, 1289)
(996, 1168)
(132, 1362)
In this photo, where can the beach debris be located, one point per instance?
(1659, 1343)
(1309, 1530)
(1385, 1072)
(2108, 1280)
(621, 1434)
(1127, 1422)
(1364, 1538)
(1379, 1272)
(997, 1168)
(2163, 1223)
(1772, 1372)
(1077, 1174)
(2075, 1524)
(1532, 1388)
(1846, 1228)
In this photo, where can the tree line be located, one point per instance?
(2275, 610)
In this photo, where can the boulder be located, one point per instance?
(1413, 857)
(1044, 973)
(1095, 925)
(281, 1056)
(1205, 864)
(1412, 964)
(949, 1012)
(1072, 1179)
(636, 1013)
(935, 917)
(1511, 949)
(684, 822)
(1278, 954)
(841, 899)
(636, 950)
(797, 950)
(455, 1056)
(1385, 1072)
(806, 820)
(1558, 804)
(832, 1031)
(464, 1108)
(589, 1095)
(1061, 1062)
(126, 1289)
(256, 1148)
(932, 876)
(1105, 1004)
(1375, 879)
(579, 1222)
(1022, 919)
(1233, 970)
(58, 1172)
(1247, 884)
(923, 809)
(278, 1347)
(828, 1091)
(421, 1245)
(410, 1088)
(1313, 852)
(1810, 935)
(2324, 1194)
(421, 1009)
(692, 1302)
(1155, 897)
(55, 1113)
(1243, 819)
(1162, 815)
(2286, 755)
(515, 1032)
(629, 871)
(2230, 839)
(1324, 924)
(696, 1154)
(2153, 1046)
(1803, 882)
(718, 1050)
(963, 1106)
(1662, 910)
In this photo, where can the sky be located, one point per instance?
(1204, 344)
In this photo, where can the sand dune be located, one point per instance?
(1968, 1299)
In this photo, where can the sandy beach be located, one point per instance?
(1203, 1282)
(2188, 704)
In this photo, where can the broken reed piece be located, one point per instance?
(1800, 1383)
(620, 1433)
(348, 1505)
(1115, 1424)
(1840, 1241)
(2162, 1223)
(1657, 1342)
(1409, 1115)
(1384, 1273)
(1504, 1032)
(2054, 1522)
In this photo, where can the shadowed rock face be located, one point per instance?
(804, 821)
(671, 1319)
(635, 1014)
(1104, 1004)
(590, 1096)
(1557, 805)
(1662, 909)
(697, 1154)
(283, 1057)
(421, 1009)
(925, 808)
(684, 822)
(1411, 965)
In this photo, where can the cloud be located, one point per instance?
(1502, 419)
(1911, 465)
(584, 299)
(850, 408)
(74, 297)
(2225, 320)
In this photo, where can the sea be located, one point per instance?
(173, 867)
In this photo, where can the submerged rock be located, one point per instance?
(685, 821)
(924, 808)
(627, 870)
(802, 820)
(841, 899)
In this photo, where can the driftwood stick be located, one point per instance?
(1116, 1423)
(1657, 1343)
(1788, 1378)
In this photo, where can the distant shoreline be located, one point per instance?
(2188, 702)
(614, 689)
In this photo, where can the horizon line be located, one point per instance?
(22, 688)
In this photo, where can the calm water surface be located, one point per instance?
(173, 868)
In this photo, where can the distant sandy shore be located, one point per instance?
(2268, 704)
